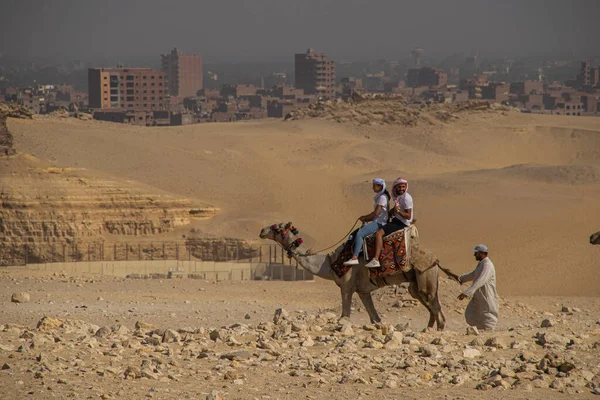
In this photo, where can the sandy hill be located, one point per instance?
(526, 185)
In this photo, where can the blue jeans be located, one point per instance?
(363, 232)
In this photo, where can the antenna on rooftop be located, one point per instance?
(417, 52)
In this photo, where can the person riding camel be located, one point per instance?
(402, 217)
(375, 220)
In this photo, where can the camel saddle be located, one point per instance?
(393, 259)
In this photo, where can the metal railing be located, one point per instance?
(23, 254)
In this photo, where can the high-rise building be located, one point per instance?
(315, 73)
(127, 89)
(585, 74)
(184, 72)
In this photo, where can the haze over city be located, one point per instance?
(271, 30)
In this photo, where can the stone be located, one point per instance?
(428, 350)
(280, 316)
(471, 353)
(148, 373)
(214, 395)
(144, 326)
(217, 334)
(390, 384)
(496, 342)
(459, 379)
(472, 330)
(49, 324)
(171, 336)
(566, 367)
(548, 323)
(22, 297)
(308, 342)
(551, 338)
(132, 373)
(387, 329)
(103, 332)
(247, 316)
(5, 366)
(237, 355)
(298, 327)
(346, 330)
(506, 372)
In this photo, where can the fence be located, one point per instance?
(271, 258)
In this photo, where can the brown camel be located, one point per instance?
(423, 285)
(595, 238)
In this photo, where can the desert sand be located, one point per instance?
(525, 185)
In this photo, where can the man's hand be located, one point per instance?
(462, 296)
(453, 276)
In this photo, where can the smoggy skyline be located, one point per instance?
(273, 30)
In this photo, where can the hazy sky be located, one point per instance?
(272, 30)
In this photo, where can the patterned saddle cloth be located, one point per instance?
(393, 258)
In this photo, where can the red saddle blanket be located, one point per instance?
(393, 258)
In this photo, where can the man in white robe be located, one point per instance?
(482, 311)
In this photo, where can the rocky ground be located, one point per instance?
(384, 109)
(89, 337)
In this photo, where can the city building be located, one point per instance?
(315, 74)
(126, 89)
(426, 76)
(184, 73)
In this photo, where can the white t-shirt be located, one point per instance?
(405, 202)
(382, 217)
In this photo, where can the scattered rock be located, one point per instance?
(144, 326)
(171, 336)
(548, 323)
(472, 330)
(471, 353)
(214, 395)
(280, 316)
(49, 324)
(22, 297)
(237, 355)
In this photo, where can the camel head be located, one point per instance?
(284, 233)
(595, 238)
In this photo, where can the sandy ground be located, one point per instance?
(526, 185)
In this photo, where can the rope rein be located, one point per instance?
(308, 253)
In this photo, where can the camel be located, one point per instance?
(595, 238)
(423, 285)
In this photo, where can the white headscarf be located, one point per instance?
(397, 181)
(381, 182)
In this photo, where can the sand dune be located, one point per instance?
(560, 174)
(526, 185)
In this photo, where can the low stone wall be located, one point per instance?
(237, 271)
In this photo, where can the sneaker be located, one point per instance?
(351, 262)
(373, 264)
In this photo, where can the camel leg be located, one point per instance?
(414, 291)
(427, 283)
(346, 303)
(367, 301)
